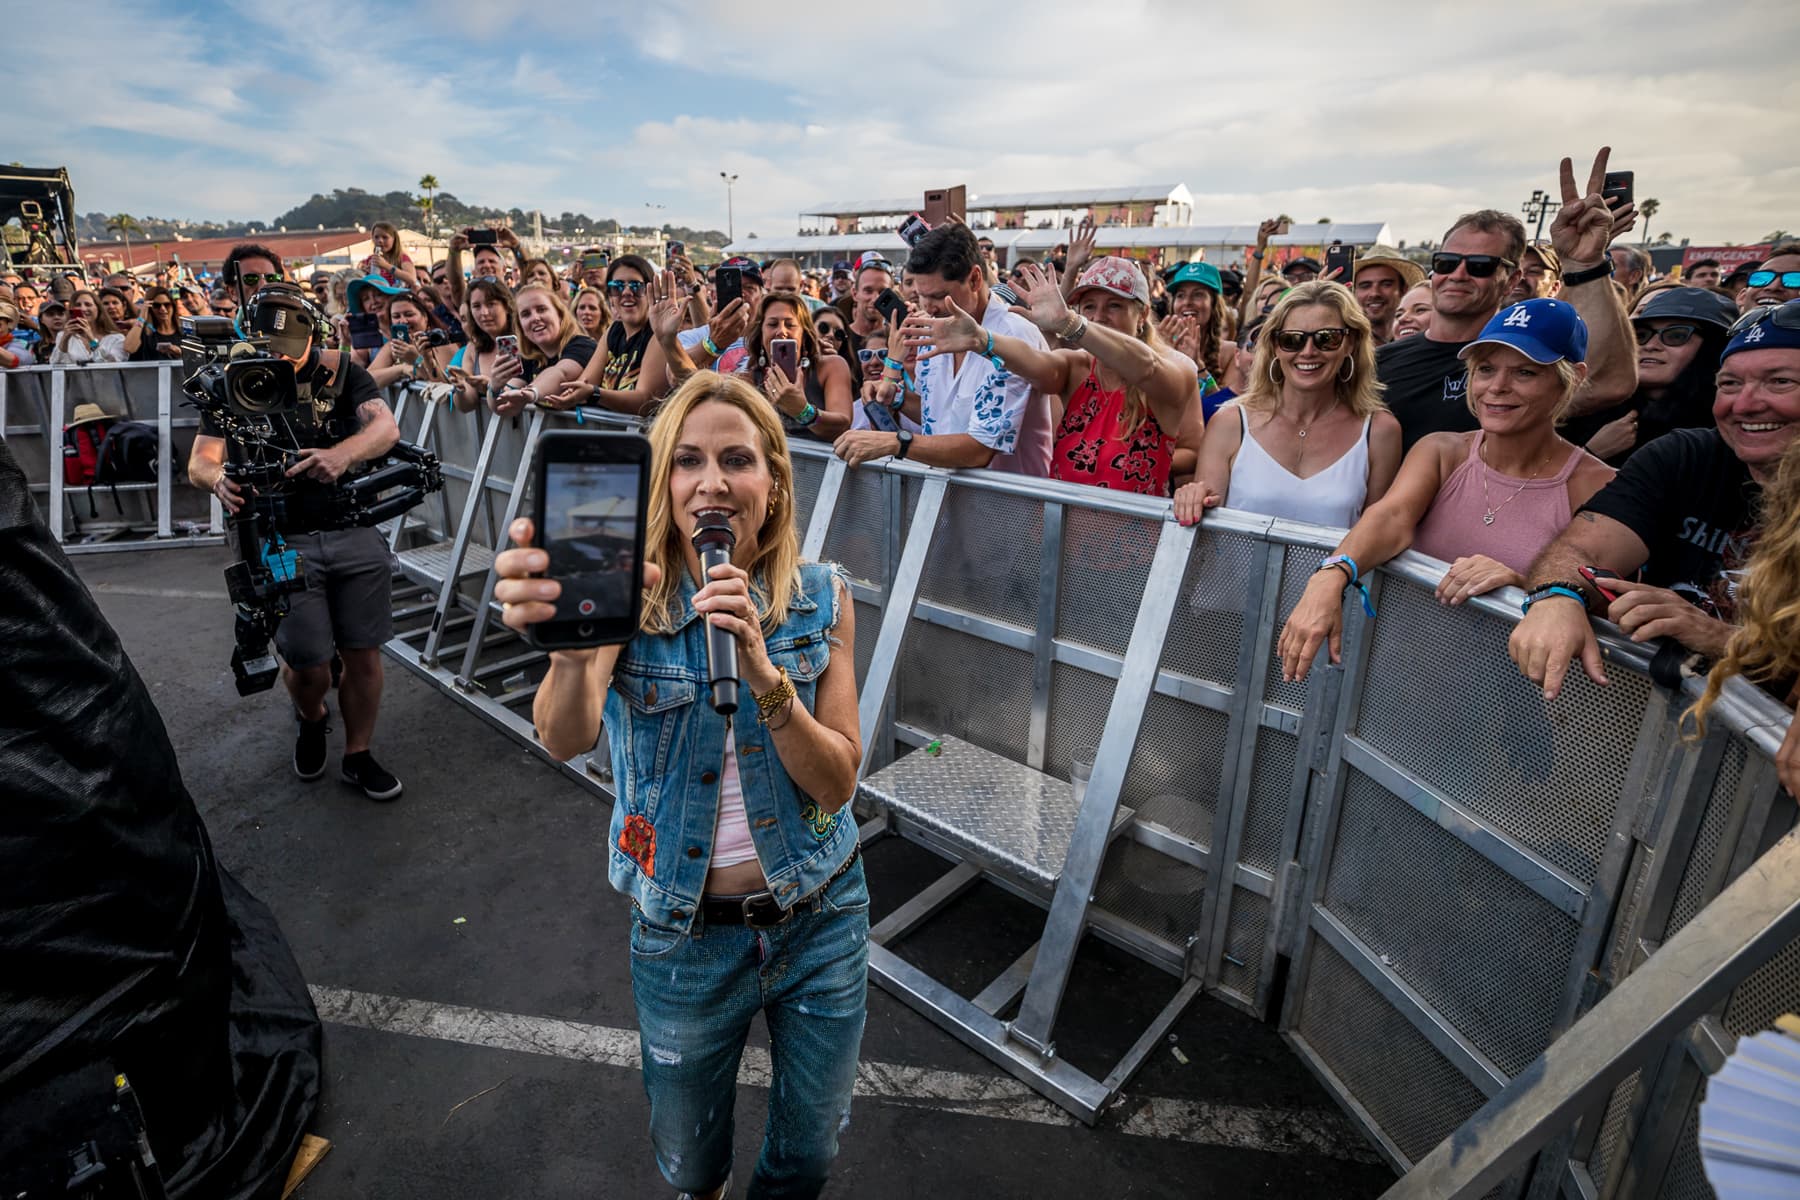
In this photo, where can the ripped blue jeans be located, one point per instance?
(695, 999)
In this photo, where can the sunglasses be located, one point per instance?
(1789, 279)
(1293, 341)
(257, 279)
(161, 304)
(1668, 335)
(618, 286)
(1479, 266)
(1782, 316)
(866, 355)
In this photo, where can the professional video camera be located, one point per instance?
(246, 382)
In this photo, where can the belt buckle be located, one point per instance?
(749, 905)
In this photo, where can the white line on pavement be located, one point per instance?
(998, 1096)
(121, 589)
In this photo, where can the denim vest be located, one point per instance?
(668, 752)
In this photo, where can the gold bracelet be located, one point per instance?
(770, 702)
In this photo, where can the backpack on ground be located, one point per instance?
(81, 451)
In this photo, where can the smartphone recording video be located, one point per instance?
(484, 237)
(590, 506)
(729, 283)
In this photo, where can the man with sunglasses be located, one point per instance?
(345, 610)
(1776, 281)
(1677, 523)
(1472, 273)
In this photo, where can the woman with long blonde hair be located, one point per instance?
(1766, 647)
(1126, 404)
(735, 826)
(1309, 438)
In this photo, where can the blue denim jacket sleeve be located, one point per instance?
(668, 748)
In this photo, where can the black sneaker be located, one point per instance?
(309, 747)
(377, 783)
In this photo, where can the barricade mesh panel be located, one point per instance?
(1174, 776)
(1697, 874)
(1482, 948)
(1078, 703)
(1245, 930)
(1150, 890)
(1297, 567)
(1106, 563)
(986, 558)
(1686, 1179)
(1265, 814)
(1549, 776)
(973, 689)
(857, 538)
(807, 474)
(1773, 990)
(868, 628)
(1615, 1130)
(1209, 618)
(1414, 1094)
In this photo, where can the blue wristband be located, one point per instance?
(808, 415)
(1356, 582)
(990, 355)
(706, 344)
(1545, 593)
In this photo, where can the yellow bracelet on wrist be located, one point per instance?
(770, 702)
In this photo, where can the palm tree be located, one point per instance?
(429, 184)
(1647, 209)
(125, 224)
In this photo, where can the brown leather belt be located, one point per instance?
(760, 911)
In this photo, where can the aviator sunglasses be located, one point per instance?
(1293, 341)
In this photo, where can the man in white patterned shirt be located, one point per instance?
(971, 411)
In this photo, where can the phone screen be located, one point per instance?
(729, 282)
(593, 262)
(590, 508)
(880, 416)
(484, 237)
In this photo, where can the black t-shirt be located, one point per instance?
(1656, 416)
(1689, 499)
(305, 427)
(1427, 387)
(151, 343)
(580, 349)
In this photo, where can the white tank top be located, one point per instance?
(1334, 496)
(731, 836)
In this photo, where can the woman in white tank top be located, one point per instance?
(1310, 440)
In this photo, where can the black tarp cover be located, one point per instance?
(121, 938)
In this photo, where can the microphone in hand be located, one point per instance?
(714, 540)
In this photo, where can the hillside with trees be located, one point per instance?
(343, 208)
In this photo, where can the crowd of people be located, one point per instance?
(1546, 416)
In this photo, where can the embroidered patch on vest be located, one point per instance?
(638, 839)
(822, 822)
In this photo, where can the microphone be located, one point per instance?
(714, 539)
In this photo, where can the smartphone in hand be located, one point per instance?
(891, 307)
(507, 343)
(591, 503)
(365, 331)
(729, 283)
(785, 353)
(880, 416)
(484, 237)
(1598, 576)
(912, 229)
(1616, 189)
(1343, 258)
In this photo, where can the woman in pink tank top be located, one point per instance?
(1486, 502)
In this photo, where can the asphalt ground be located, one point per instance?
(472, 965)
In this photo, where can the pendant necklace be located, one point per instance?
(1487, 517)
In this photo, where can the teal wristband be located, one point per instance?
(891, 365)
(1546, 593)
(990, 355)
(808, 415)
(1344, 560)
(706, 344)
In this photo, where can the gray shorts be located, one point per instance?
(348, 601)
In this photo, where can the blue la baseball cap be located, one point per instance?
(1541, 330)
(1202, 273)
(1768, 327)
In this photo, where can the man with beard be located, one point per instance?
(1383, 275)
(1473, 270)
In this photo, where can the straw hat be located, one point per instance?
(1411, 273)
(85, 413)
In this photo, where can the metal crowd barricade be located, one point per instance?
(37, 402)
(1415, 866)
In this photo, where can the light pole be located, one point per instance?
(730, 220)
(1537, 208)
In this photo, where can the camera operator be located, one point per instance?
(345, 606)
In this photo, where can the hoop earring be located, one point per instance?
(1351, 363)
(1273, 377)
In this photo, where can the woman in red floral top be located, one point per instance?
(1127, 404)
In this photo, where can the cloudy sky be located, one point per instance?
(1379, 111)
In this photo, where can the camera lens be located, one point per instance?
(258, 389)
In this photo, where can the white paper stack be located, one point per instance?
(1750, 1119)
